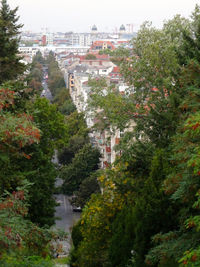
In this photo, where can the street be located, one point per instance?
(65, 213)
(65, 219)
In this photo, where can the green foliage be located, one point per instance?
(117, 56)
(95, 225)
(105, 52)
(10, 65)
(51, 123)
(23, 158)
(68, 107)
(61, 97)
(38, 58)
(21, 155)
(155, 208)
(17, 131)
(29, 261)
(76, 234)
(63, 260)
(183, 182)
(122, 238)
(76, 125)
(16, 233)
(44, 173)
(35, 77)
(55, 80)
(157, 176)
(63, 100)
(88, 187)
(76, 142)
(83, 164)
(90, 56)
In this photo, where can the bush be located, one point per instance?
(32, 261)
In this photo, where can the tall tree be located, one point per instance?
(10, 65)
(83, 164)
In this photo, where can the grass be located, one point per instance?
(63, 260)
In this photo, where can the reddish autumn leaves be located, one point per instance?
(16, 130)
(6, 98)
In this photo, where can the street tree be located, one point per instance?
(83, 164)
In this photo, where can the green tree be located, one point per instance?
(90, 56)
(88, 187)
(96, 225)
(17, 131)
(43, 172)
(38, 58)
(183, 182)
(154, 106)
(76, 142)
(56, 82)
(10, 65)
(83, 164)
(22, 158)
(64, 102)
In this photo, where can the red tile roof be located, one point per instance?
(116, 69)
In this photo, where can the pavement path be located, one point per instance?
(66, 218)
(64, 211)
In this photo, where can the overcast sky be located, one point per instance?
(107, 15)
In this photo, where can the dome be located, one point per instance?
(122, 28)
(94, 28)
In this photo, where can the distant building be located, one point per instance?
(94, 29)
(49, 39)
(101, 45)
(122, 29)
(44, 40)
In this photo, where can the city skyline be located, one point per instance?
(108, 16)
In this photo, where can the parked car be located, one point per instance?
(75, 208)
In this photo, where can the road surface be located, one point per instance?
(64, 211)
(65, 219)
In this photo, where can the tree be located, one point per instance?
(182, 184)
(41, 171)
(94, 231)
(10, 65)
(23, 243)
(83, 164)
(154, 207)
(38, 58)
(17, 131)
(21, 158)
(88, 187)
(64, 102)
(56, 82)
(90, 56)
(76, 142)
(156, 151)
